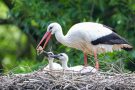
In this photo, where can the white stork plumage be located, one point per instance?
(91, 38)
(63, 57)
(51, 65)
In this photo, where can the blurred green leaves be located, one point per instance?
(4, 10)
(12, 42)
(30, 18)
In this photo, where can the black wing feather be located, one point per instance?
(110, 39)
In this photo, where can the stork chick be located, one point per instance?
(52, 65)
(64, 60)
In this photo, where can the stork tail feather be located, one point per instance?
(125, 47)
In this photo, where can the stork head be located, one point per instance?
(51, 29)
(46, 54)
(62, 57)
(49, 54)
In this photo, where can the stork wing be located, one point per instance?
(110, 39)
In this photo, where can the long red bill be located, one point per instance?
(46, 35)
(48, 38)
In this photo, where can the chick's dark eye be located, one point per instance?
(50, 53)
(61, 55)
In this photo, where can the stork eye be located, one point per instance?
(50, 27)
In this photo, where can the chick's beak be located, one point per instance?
(55, 56)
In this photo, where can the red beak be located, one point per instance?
(47, 36)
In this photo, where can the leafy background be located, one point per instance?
(24, 22)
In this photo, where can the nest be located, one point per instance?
(63, 80)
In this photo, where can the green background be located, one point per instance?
(24, 22)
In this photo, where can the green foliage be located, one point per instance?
(4, 10)
(118, 14)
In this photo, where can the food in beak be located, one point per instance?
(40, 50)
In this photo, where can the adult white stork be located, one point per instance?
(63, 57)
(91, 38)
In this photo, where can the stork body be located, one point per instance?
(89, 37)
(77, 69)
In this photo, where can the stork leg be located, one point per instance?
(85, 60)
(96, 59)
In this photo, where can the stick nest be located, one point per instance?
(63, 80)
